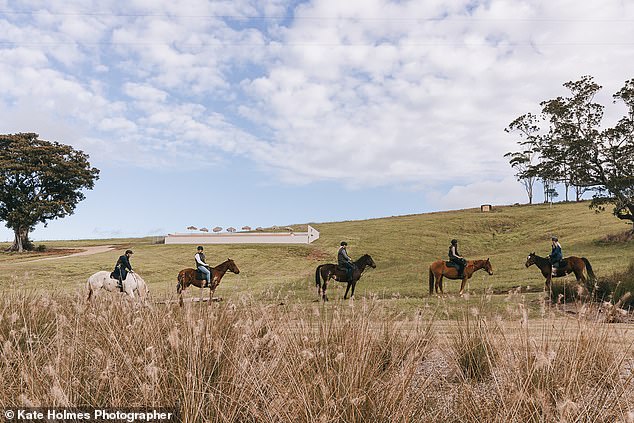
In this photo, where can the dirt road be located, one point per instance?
(86, 251)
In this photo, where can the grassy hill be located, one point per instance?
(402, 247)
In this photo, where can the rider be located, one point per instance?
(344, 260)
(456, 258)
(201, 265)
(556, 255)
(122, 267)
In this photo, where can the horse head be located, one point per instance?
(232, 266)
(368, 261)
(530, 260)
(488, 267)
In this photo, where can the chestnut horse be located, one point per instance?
(439, 269)
(187, 277)
(573, 265)
(328, 271)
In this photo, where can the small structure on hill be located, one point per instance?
(217, 229)
(486, 208)
(204, 230)
(231, 230)
(246, 228)
(192, 228)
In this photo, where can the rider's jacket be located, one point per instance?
(556, 255)
(342, 257)
(200, 260)
(122, 267)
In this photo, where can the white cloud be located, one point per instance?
(368, 93)
(506, 191)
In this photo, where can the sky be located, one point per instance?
(259, 113)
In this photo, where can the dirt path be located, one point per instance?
(86, 251)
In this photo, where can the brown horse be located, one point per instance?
(187, 277)
(573, 265)
(328, 271)
(439, 269)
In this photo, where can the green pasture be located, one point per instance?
(402, 248)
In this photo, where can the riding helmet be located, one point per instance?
(129, 252)
(554, 238)
(344, 243)
(200, 248)
(454, 241)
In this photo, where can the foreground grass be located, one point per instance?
(244, 361)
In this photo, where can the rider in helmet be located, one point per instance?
(202, 265)
(344, 261)
(456, 258)
(556, 255)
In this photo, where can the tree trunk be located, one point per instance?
(21, 240)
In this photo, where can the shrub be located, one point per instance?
(615, 287)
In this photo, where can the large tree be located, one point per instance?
(39, 181)
(576, 149)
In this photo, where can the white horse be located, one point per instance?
(132, 283)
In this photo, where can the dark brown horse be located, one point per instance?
(439, 269)
(327, 271)
(187, 277)
(573, 265)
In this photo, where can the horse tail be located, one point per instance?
(589, 269)
(431, 281)
(179, 284)
(89, 290)
(318, 276)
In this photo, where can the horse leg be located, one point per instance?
(439, 285)
(353, 285)
(464, 281)
(89, 293)
(345, 296)
(319, 278)
(324, 287)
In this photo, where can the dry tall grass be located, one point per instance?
(352, 362)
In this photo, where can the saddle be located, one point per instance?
(200, 275)
(451, 264)
(561, 264)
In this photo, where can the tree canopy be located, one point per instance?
(39, 181)
(574, 148)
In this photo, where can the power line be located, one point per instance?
(284, 44)
(316, 18)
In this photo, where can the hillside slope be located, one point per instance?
(401, 246)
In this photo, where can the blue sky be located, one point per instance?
(233, 113)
